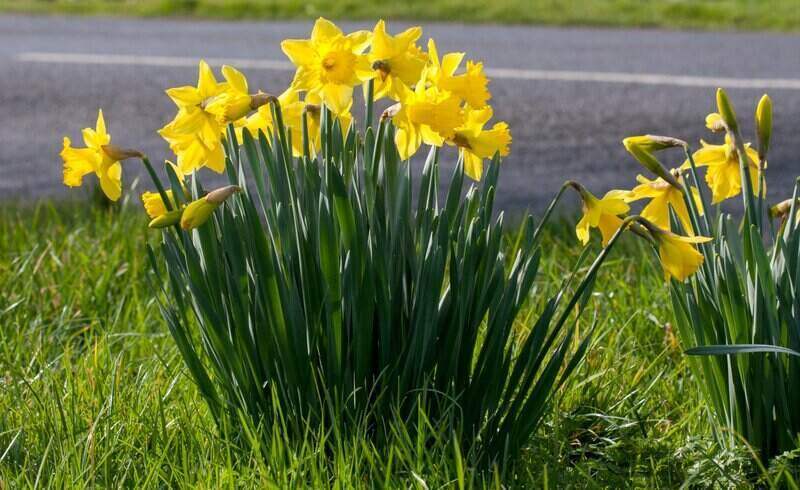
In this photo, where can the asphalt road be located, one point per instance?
(569, 95)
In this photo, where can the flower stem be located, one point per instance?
(156, 182)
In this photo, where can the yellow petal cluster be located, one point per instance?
(330, 63)
(679, 257)
(94, 158)
(603, 214)
(724, 175)
(663, 196)
(397, 60)
(195, 135)
(476, 143)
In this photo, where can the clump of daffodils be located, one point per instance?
(437, 103)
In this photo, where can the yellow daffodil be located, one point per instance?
(330, 64)
(195, 135)
(663, 196)
(193, 116)
(723, 175)
(235, 102)
(99, 157)
(426, 115)
(471, 86)
(477, 144)
(397, 60)
(603, 214)
(197, 212)
(679, 257)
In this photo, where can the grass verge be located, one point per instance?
(772, 15)
(93, 391)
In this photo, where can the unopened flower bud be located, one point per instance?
(642, 146)
(764, 125)
(197, 212)
(726, 111)
(119, 154)
(781, 209)
(218, 196)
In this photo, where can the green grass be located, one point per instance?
(93, 391)
(751, 15)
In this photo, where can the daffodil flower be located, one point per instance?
(471, 86)
(99, 157)
(397, 60)
(723, 175)
(192, 117)
(195, 135)
(603, 214)
(197, 212)
(235, 102)
(426, 115)
(679, 257)
(330, 64)
(664, 195)
(476, 144)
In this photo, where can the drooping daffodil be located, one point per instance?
(397, 60)
(477, 144)
(603, 214)
(679, 256)
(99, 157)
(664, 196)
(330, 63)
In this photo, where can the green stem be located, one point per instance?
(157, 182)
(699, 188)
(549, 210)
(370, 102)
(747, 187)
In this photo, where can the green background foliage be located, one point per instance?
(752, 15)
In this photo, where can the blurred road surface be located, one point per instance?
(569, 95)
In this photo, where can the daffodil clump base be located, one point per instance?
(317, 283)
(734, 284)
